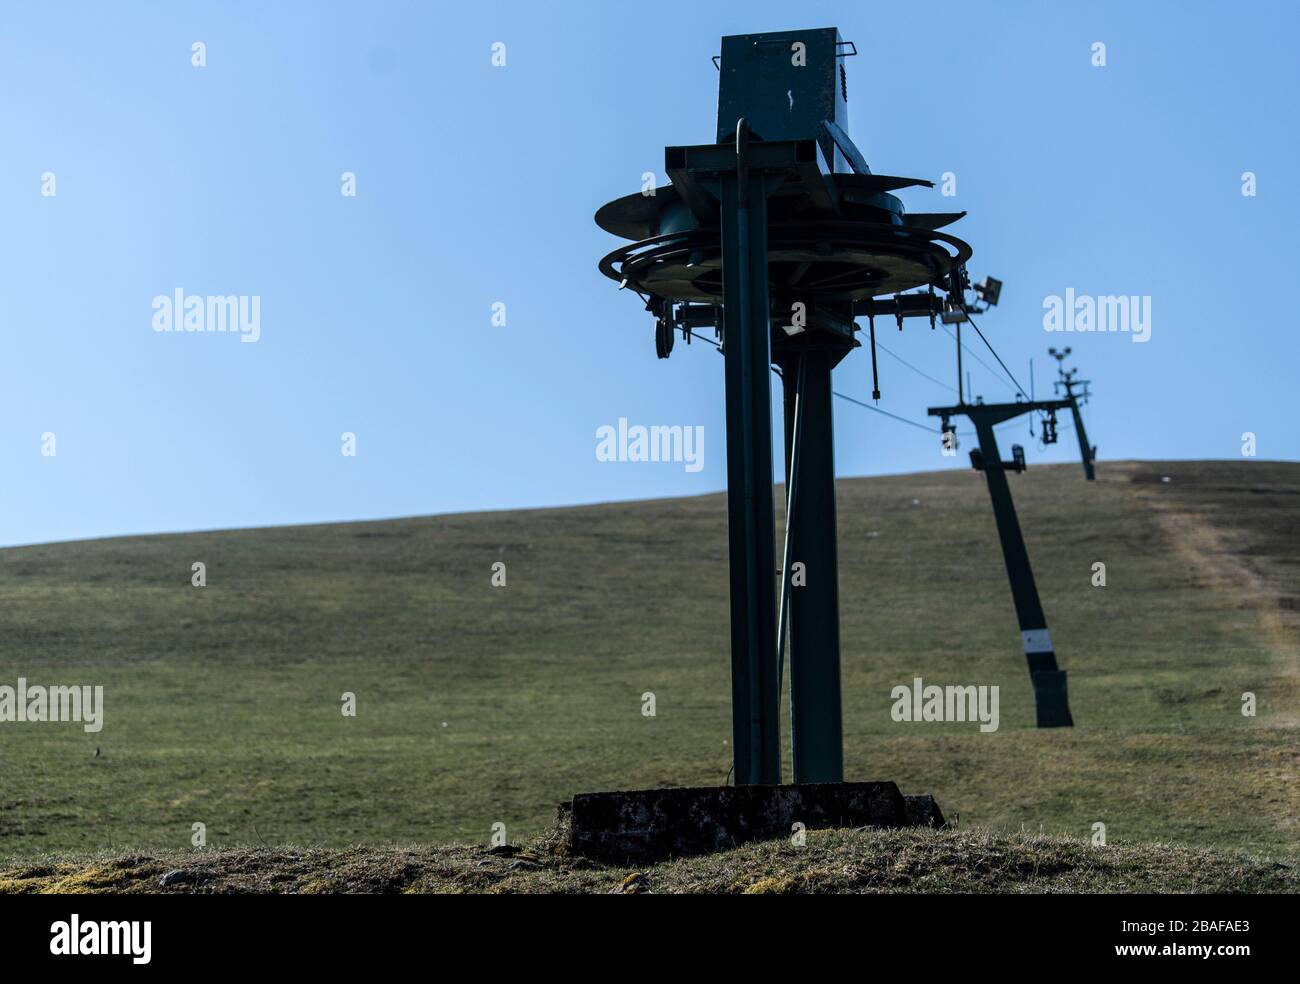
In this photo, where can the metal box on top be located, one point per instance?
(785, 83)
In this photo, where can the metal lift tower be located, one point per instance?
(1051, 698)
(776, 236)
(1067, 380)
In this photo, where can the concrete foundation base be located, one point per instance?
(655, 824)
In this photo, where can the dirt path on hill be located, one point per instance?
(1229, 570)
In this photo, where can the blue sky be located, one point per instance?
(477, 184)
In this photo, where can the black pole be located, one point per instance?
(961, 398)
(815, 707)
(750, 507)
(1085, 449)
(1050, 694)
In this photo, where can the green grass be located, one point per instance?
(479, 705)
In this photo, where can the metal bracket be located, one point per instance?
(717, 59)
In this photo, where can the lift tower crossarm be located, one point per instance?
(997, 413)
(1051, 698)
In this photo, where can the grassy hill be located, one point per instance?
(916, 860)
(479, 705)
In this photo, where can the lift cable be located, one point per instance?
(844, 396)
(967, 349)
(914, 369)
(868, 406)
(893, 416)
(998, 357)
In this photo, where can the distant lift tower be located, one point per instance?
(1068, 383)
(1051, 698)
(776, 236)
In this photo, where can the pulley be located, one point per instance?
(663, 338)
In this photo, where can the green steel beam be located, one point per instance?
(815, 706)
(755, 693)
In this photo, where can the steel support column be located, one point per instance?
(1085, 449)
(755, 692)
(1050, 695)
(815, 709)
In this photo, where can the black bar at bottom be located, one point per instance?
(924, 932)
